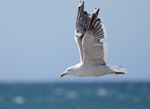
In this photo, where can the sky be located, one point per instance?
(37, 39)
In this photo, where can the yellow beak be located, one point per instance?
(63, 74)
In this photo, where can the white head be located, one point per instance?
(68, 71)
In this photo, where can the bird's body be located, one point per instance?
(82, 70)
(89, 33)
(96, 70)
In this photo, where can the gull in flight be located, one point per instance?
(89, 33)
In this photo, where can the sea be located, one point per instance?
(75, 95)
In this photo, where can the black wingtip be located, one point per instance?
(96, 11)
(81, 4)
(93, 18)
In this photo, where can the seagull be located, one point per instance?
(89, 33)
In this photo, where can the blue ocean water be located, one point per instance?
(124, 95)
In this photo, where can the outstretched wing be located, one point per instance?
(82, 22)
(93, 47)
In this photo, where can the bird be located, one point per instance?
(89, 34)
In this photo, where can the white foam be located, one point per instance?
(19, 100)
(72, 94)
(101, 92)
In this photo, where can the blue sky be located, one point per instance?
(37, 38)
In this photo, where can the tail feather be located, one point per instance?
(118, 69)
(119, 73)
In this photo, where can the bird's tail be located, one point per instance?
(118, 69)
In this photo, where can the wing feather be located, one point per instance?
(82, 22)
(93, 47)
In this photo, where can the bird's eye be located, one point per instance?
(68, 70)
